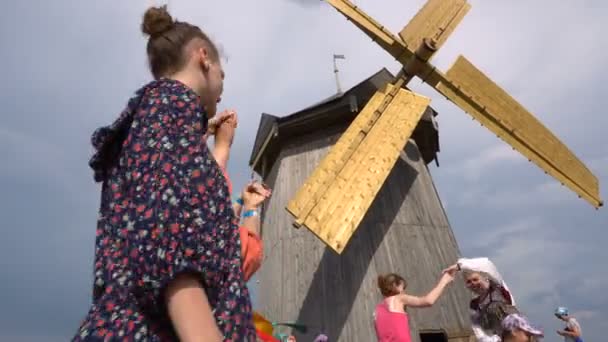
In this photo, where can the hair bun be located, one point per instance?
(157, 21)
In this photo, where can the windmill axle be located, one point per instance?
(416, 64)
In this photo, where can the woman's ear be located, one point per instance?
(203, 59)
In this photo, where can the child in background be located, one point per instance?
(390, 319)
(572, 331)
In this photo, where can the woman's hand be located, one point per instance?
(452, 269)
(254, 194)
(448, 275)
(225, 128)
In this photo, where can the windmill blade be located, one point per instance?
(479, 96)
(313, 189)
(344, 201)
(388, 41)
(436, 20)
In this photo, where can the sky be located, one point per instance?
(70, 66)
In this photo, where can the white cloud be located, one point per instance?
(599, 165)
(491, 236)
(585, 314)
(25, 337)
(542, 269)
(550, 193)
(516, 194)
(473, 168)
(35, 158)
(592, 284)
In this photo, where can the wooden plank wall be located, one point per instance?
(405, 231)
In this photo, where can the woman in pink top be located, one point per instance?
(390, 318)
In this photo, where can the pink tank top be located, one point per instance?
(391, 326)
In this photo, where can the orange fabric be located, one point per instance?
(262, 324)
(252, 249)
(265, 337)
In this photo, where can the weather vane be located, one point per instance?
(336, 72)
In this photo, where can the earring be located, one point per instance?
(206, 65)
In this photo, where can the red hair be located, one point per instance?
(388, 284)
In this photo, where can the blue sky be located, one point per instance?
(70, 66)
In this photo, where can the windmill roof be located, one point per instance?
(336, 109)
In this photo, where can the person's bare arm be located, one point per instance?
(221, 153)
(222, 127)
(430, 298)
(184, 297)
(190, 312)
(252, 223)
(237, 208)
(225, 128)
(484, 265)
(575, 333)
(253, 196)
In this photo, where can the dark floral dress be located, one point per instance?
(165, 209)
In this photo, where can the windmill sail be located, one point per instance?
(333, 201)
(373, 29)
(436, 20)
(479, 96)
(310, 193)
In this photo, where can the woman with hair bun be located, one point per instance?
(167, 251)
(390, 319)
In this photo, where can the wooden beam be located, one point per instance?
(271, 134)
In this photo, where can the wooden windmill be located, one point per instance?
(405, 230)
(337, 195)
